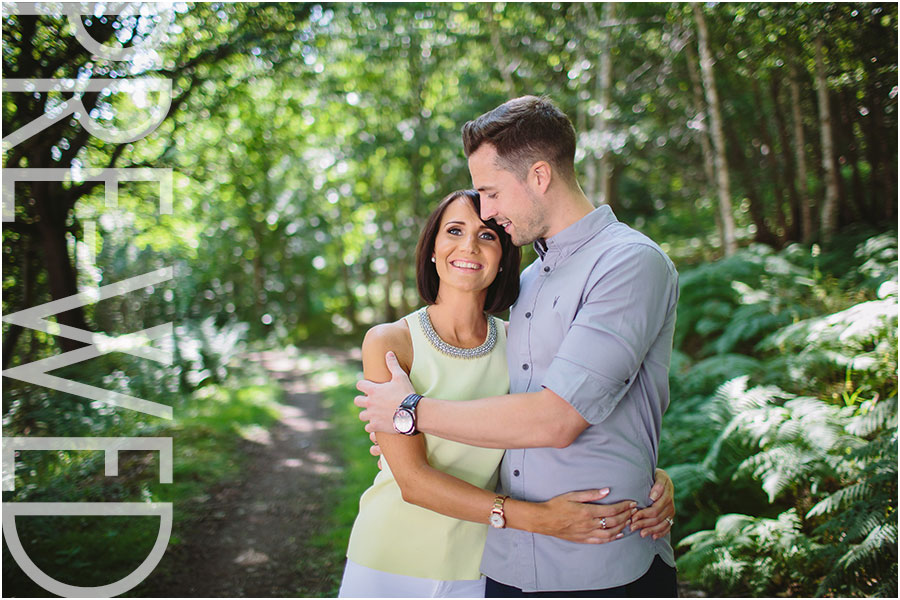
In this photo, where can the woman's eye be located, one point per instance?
(454, 231)
(488, 236)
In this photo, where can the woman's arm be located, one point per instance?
(568, 516)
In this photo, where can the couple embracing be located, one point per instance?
(527, 427)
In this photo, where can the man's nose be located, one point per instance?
(487, 209)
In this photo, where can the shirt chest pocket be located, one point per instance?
(561, 306)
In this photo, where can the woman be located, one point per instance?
(422, 525)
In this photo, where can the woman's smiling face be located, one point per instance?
(466, 251)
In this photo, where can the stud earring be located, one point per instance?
(432, 259)
(501, 269)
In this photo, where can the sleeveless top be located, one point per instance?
(394, 536)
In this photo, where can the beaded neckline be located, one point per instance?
(445, 348)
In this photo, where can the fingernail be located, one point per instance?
(628, 522)
(633, 509)
(633, 504)
(620, 536)
(603, 492)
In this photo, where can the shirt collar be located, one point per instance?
(575, 235)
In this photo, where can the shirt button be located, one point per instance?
(525, 367)
(516, 473)
(528, 315)
(627, 380)
(546, 269)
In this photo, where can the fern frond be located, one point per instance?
(842, 497)
(883, 415)
(866, 552)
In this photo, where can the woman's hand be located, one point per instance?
(570, 517)
(375, 449)
(657, 519)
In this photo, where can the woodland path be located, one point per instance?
(253, 540)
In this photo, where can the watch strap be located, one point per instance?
(498, 509)
(411, 401)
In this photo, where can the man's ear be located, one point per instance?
(540, 174)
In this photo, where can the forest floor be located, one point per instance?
(253, 539)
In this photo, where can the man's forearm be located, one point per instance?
(529, 420)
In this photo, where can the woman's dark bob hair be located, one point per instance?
(505, 288)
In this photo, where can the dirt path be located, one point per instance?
(253, 541)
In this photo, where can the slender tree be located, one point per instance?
(808, 232)
(829, 221)
(718, 137)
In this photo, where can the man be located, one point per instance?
(590, 339)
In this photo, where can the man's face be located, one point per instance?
(513, 204)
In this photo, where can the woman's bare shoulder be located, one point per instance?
(390, 336)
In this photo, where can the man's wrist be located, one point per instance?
(405, 416)
(422, 425)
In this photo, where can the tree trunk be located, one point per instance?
(709, 166)
(807, 231)
(11, 339)
(749, 175)
(604, 93)
(882, 157)
(504, 65)
(847, 138)
(793, 231)
(776, 178)
(718, 137)
(62, 278)
(830, 207)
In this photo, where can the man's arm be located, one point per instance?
(626, 307)
(532, 420)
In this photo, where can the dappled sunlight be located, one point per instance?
(251, 557)
(295, 419)
(257, 434)
(320, 464)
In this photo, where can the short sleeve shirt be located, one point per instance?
(594, 323)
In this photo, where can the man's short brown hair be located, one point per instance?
(502, 292)
(523, 131)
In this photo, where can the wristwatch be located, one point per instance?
(498, 518)
(405, 415)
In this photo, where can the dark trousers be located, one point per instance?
(658, 582)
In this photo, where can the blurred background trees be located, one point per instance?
(756, 142)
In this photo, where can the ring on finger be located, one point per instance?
(670, 521)
(603, 523)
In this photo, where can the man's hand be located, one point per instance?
(571, 517)
(380, 400)
(657, 519)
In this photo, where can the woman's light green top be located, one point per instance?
(393, 536)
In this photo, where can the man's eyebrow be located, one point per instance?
(484, 188)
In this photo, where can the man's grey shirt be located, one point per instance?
(593, 323)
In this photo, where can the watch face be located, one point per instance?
(497, 521)
(403, 421)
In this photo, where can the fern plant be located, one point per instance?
(785, 458)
